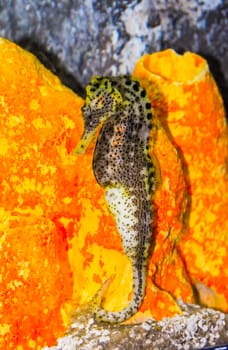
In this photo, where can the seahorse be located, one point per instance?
(122, 165)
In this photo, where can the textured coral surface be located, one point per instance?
(188, 105)
(38, 118)
(59, 242)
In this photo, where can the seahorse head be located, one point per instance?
(102, 101)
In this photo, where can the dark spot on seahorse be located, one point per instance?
(143, 93)
(128, 82)
(136, 86)
(99, 78)
(96, 85)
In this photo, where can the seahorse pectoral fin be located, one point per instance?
(84, 142)
(138, 292)
(99, 295)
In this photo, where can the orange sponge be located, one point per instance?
(40, 120)
(189, 107)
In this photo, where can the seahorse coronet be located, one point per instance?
(122, 165)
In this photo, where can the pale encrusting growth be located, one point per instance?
(196, 328)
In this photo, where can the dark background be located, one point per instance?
(78, 39)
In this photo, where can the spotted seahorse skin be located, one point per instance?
(122, 165)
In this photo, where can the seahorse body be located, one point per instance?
(121, 165)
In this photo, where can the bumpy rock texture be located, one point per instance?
(195, 329)
(84, 38)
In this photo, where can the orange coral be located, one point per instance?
(189, 107)
(59, 242)
(39, 121)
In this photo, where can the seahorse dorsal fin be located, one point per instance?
(157, 175)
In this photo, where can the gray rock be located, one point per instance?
(79, 39)
(196, 328)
